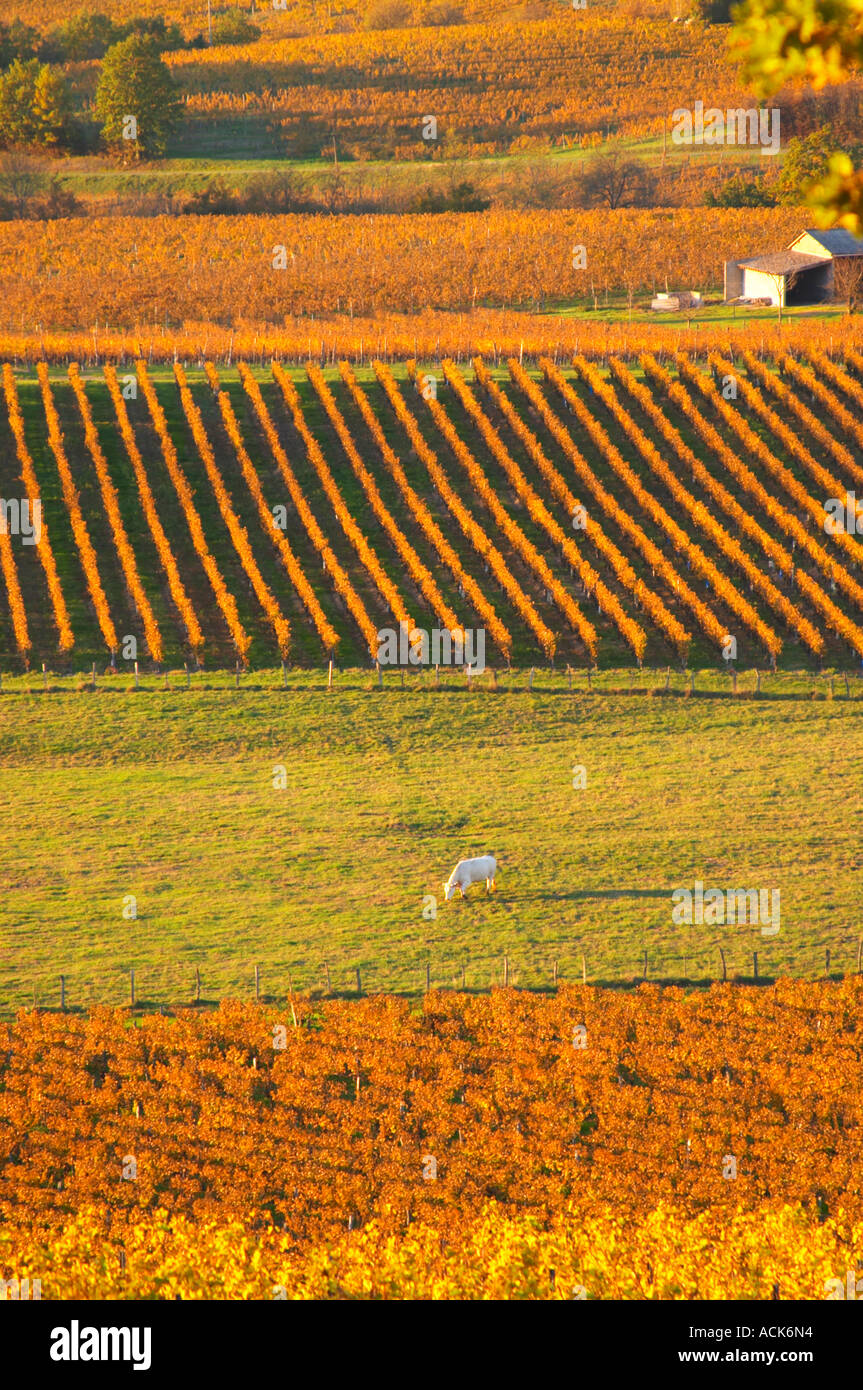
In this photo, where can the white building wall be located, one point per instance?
(757, 285)
(809, 247)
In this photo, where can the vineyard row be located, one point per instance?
(571, 514)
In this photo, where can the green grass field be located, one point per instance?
(169, 796)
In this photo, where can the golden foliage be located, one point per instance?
(608, 1162)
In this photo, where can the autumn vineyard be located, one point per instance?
(585, 1145)
(431, 655)
(637, 511)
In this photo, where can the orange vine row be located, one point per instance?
(238, 534)
(785, 519)
(472, 530)
(540, 513)
(663, 619)
(792, 441)
(73, 506)
(513, 532)
(341, 582)
(777, 470)
(148, 503)
(423, 516)
(31, 487)
(419, 573)
(694, 509)
(111, 503)
(364, 550)
(780, 473)
(673, 629)
(326, 631)
(225, 600)
(804, 376)
(760, 581)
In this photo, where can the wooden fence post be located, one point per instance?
(530, 680)
(428, 976)
(197, 984)
(827, 962)
(755, 963)
(330, 675)
(359, 982)
(257, 982)
(554, 976)
(724, 967)
(284, 676)
(136, 675)
(236, 677)
(62, 993)
(44, 678)
(860, 956)
(644, 973)
(327, 968)
(132, 988)
(94, 675)
(583, 969)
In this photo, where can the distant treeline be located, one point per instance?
(85, 36)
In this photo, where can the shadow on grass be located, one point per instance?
(588, 893)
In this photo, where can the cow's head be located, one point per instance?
(449, 889)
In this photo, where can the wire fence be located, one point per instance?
(709, 682)
(172, 985)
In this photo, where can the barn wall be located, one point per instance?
(733, 280)
(757, 285)
(809, 246)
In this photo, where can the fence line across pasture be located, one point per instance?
(707, 682)
(172, 986)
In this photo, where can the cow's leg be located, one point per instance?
(461, 890)
(489, 883)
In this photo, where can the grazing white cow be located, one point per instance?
(468, 871)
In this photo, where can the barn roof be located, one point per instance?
(836, 242)
(781, 262)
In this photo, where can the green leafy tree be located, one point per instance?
(234, 27)
(741, 192)
(806, 163)
(819, 42)
(166, 35)
(87, 34)
(34, 107)
(18, 40)
(460, 197)
(137, 102)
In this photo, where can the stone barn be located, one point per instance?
(802, 274)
